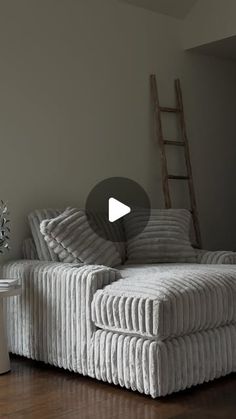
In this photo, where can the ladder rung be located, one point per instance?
(179, 143)
(166, 109)
(178, 177)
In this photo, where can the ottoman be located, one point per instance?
(165, 328)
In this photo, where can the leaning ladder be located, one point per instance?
(179, 111)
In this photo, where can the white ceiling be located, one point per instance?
(174, 8)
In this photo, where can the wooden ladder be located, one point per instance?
(179, 111)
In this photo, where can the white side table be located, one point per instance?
(4, 354)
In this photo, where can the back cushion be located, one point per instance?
(70, 236)
(165, 237)
(28, 249)
(35, 218)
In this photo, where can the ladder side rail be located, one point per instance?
(160, 139)
(188, 164)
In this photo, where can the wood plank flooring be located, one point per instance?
(35, 391)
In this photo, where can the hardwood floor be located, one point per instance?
(33, 390)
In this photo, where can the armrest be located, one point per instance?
(51, 320)
(215, 257)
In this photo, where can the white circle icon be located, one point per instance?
(117, 210)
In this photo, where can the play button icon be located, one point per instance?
(116, 199)
(117, 209)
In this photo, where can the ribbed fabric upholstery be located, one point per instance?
(29, 250)
(216, 257)
(73, 240)
(35, 218)
(114, 232)
(168, 302)
(161, 368)
(165, 237)
(51, 320)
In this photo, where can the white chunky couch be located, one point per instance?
(156, 329)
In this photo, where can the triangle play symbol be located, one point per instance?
(117, 209)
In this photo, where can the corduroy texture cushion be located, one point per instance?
(35, 218)
(215, 257)
(161, 368)
(70, 236)
(29, 250)
(164, 300)
(165, 238)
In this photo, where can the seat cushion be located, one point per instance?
(164, 301)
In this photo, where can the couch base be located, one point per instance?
(160, 368)
(51, 322)
(156, 368)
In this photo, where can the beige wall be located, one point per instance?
(209, 21)
(75, 108)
